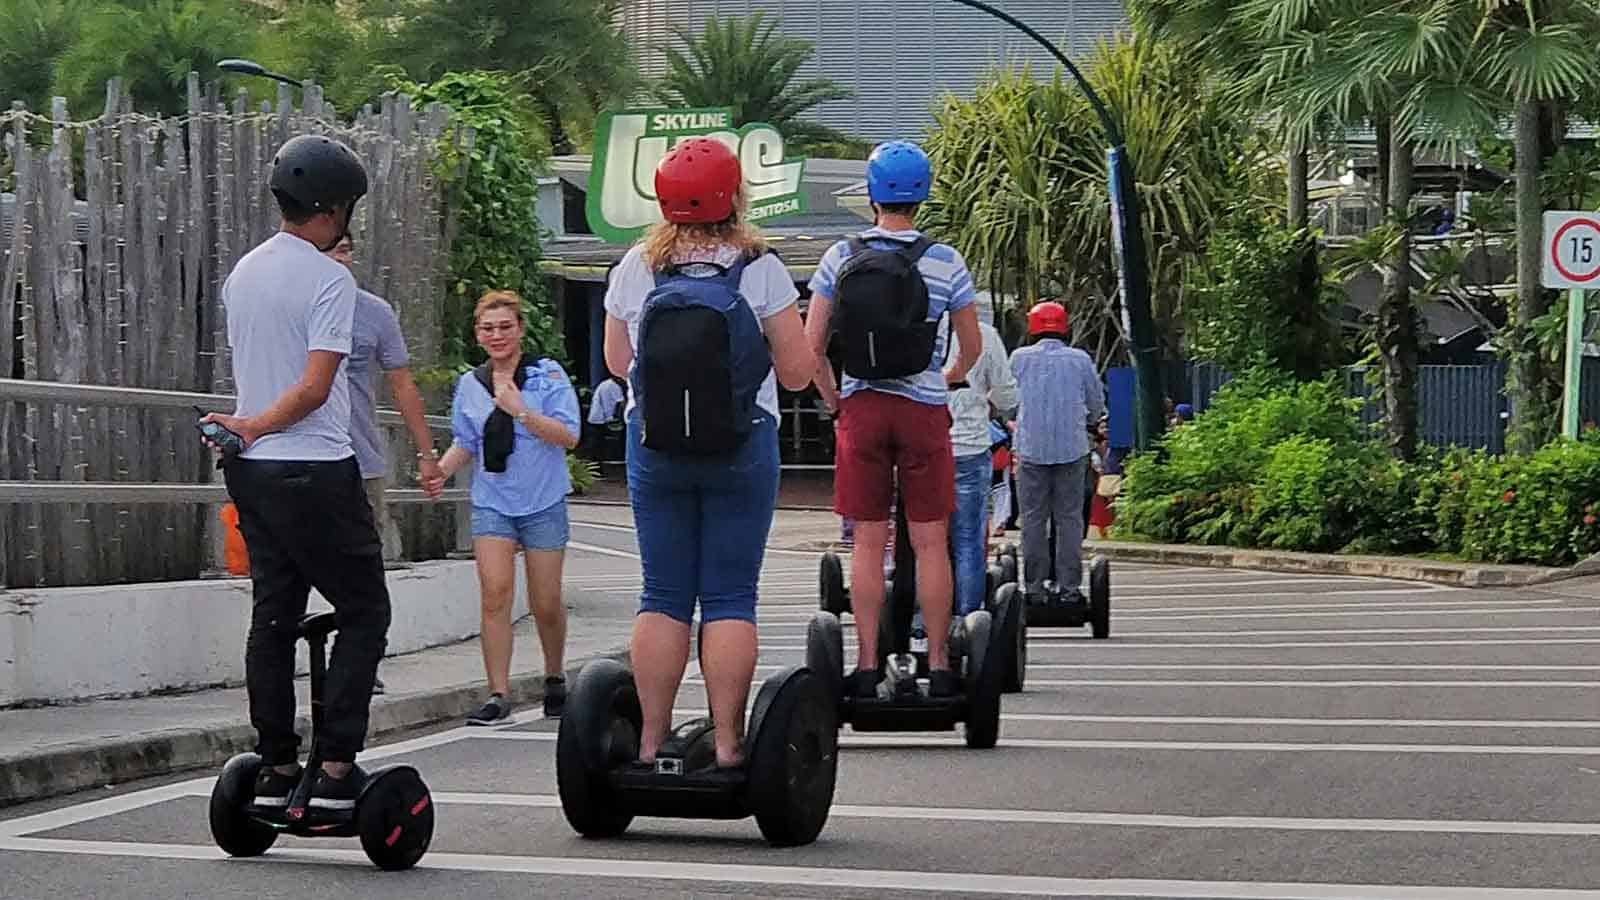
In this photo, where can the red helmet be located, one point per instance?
(696, 181)
(1048, 317)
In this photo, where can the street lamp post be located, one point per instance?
(251, 67)
(1127, 231)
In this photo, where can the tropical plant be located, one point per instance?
(1020, 183)
(492, 192)
(153, 46)
(569, 56)
(748, 66)
(34, 35)
(317, 41)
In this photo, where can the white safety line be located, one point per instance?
(1236, 683)
(784, 611)
(1519, 610)
(1291, 667)
(603, 551)
(1270, 632)
(1277, 721)
(922, 882)
(852, 739)
(1286, 645)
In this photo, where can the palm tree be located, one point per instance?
(34, 34)
(744, 64)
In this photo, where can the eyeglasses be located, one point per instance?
(502, 328)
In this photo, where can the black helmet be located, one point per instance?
(317, 173)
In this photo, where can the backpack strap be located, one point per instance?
(913, 252)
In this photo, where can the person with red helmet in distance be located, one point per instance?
(893, 298)
(698, 312)
(1059, 396)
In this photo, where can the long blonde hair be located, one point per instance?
(666, 240)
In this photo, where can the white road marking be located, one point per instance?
(863, 879)
(1237, 683)
(1306, 610)
(1277, 721)
(1290, 667)
(1131, 820)
(851, 739)
(1298, 645)
(603, 551)
(1270, 632)
(1519, 610)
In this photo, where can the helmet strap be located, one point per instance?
(344, 228)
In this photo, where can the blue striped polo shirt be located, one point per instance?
(1058, 393)
(950, 288)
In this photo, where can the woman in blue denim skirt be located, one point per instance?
(516, 416)
(702, 521)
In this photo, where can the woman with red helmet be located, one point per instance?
(703, 482)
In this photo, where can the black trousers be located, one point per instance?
(309, 525)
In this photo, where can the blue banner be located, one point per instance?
(1119, 405)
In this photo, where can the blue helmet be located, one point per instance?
(898, 172)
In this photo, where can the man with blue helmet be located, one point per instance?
(884, 295)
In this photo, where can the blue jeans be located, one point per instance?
(702, 524)
(967, 526)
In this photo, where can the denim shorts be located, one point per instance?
(544, 530)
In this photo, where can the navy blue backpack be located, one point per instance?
(700, 364)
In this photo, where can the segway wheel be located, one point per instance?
(794, 761)
(825, 652)
(1008, 567)
(1017, 648)
(1100, 597)
(599, 731)
(993, 577)
(985, 649)
(394, 818)
(231, 824)
(831, 593)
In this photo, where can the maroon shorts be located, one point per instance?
(877, 436)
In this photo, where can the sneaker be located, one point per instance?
(863, 683)
(491, 712)
(943, 683)
(328, 792)
(555, 696)
(273, 787)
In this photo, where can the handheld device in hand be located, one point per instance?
(232, 445)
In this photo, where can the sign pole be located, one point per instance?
(1569, 406)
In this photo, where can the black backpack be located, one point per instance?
(882, 311)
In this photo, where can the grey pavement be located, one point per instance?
(1243, 734)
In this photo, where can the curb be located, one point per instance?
(65, 769)
(1401, 568)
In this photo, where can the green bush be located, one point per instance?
(1540, 509)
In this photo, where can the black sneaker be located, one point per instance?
(863, 683)
(496, 709)
(943, 683)
(337, 794)
(273, 788)
(555, 695)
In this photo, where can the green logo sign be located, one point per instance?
(629, 144)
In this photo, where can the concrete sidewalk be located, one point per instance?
(54, 750)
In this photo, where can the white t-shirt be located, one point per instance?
(765, 285)
(284, 299)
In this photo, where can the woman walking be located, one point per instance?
(515, 416)
(698, 314)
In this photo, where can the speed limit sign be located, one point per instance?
(1571, 250)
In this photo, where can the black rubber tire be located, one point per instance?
(231, 824)
(831, 595)
(1016, 674)
(1008, 568)
(825, 653)
(599, 730)
(993, 577)
(982, 725)
(1100, 597)
(794, 762)
(394, 818)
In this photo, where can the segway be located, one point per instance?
(1000, 574)
(1054, 608)
(786, 783)
(977, 649)
(393, 814)
(834, 598)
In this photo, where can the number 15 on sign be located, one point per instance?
(1572, 261)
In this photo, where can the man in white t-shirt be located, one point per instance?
(302, 507)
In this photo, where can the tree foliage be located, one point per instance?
(34, 35)
(745, 64)
(1020, 182)
(493, 190)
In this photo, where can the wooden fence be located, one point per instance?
(120, 232)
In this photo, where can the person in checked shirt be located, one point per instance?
(1059, 394)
